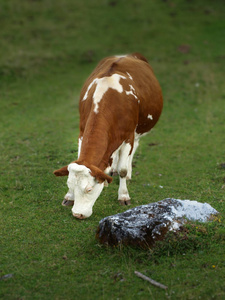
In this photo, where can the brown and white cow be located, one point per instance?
(119, 102)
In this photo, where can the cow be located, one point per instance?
(120, 102)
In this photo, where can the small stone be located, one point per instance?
(184, 48)
(222, 165)
(7, 276)
(144, 225)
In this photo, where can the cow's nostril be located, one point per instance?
(79, 216)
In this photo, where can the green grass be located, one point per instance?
(48, 48)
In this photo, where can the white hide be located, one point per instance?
(115, 159)
(85, 189)
(129, 76)
(79, 146)
(131, 92)
(123, 191)
(150, 117)
(120, 162)
(124, 157)
(102, 86)
(123, 164)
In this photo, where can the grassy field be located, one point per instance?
(48, 48)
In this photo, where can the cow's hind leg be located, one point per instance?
(129, 172)
(122, 168)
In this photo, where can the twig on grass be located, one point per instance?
(150, 280)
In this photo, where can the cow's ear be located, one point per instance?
(99, 175)
(62, 172)
(104, 177)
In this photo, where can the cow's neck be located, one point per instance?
(96, 146)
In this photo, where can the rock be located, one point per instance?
(146, 224)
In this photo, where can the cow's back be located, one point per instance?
(141, 99)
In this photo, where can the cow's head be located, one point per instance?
(86, 185)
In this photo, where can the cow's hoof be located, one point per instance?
(124, 202)
(67, 202)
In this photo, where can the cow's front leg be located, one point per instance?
(68, 199)
(123, 195)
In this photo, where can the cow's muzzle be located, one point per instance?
(79, 216)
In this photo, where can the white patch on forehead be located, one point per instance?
(129, 76)
(79, 175)
(102, 86)
(73, 167)
(150, 117)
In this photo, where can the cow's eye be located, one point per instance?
(88, 188)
